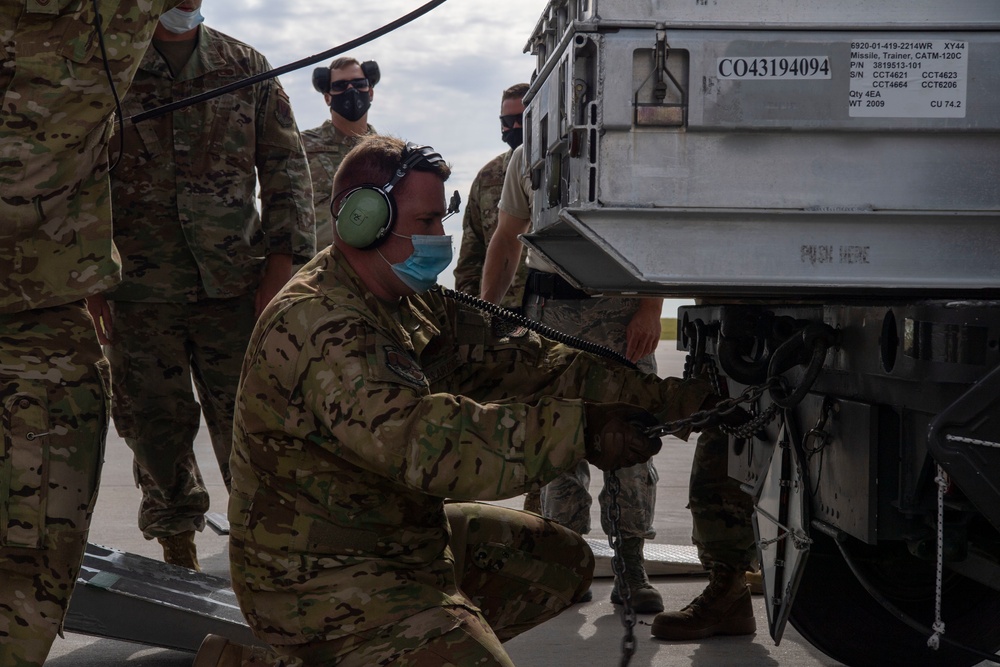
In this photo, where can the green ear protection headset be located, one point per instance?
(367, 212)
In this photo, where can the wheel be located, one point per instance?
(834, 612)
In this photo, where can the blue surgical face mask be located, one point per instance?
(178, 20)
(431, 255)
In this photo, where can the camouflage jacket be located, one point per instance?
(478, 226)
(55, 121)
(356, 418)
(326, 148)
(186, 223)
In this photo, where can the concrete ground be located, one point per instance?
(587, 634)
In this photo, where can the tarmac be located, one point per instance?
(586, 634)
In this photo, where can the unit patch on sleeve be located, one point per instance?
(283, 109)
(400, 363)
(504, 329)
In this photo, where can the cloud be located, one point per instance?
(442, 75)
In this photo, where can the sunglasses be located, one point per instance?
(507, 121)
(356, 84)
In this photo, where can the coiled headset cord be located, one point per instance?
(520, 320)
(612, 483)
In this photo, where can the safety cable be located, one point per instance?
(903, 616)
(934, 641)
(298, 64)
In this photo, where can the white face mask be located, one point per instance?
(178, 20)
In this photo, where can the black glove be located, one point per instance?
(614, 435)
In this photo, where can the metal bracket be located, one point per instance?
(780, 524)
(661, 113)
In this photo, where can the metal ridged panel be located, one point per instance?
(660, 559)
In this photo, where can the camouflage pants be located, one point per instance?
(157, 350)
(54, 387)
(567, 498)
(519, 569)
(720, 509)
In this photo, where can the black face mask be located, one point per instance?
(351, 104)
(513, 137)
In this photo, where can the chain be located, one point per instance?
(506, 321)
(712, 417)
(714, 379)
(613, 487)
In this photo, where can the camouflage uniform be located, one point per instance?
(478, 226)
(603, 321)
(326, 148)
(193, 249)
(724, 536)
(567, 499)
(355, 419)
(55, 249)
(721, 510)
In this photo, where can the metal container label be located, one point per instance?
(760, 68)
(908, 79)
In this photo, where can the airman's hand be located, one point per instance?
(100, 311)
(614, 435)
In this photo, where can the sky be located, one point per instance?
(442, 75)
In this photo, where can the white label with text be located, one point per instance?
(908, 79)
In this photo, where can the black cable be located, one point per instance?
(537, 327)
(904, 617)
(298, 64)
(111, 80)
(784, 356)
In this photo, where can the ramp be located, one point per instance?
(137, 599)
(661, 559)
(132, 598)
(217, 522)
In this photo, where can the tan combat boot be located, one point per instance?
(723, 608)
(645, 598)
(217, 651)
(179, 550)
